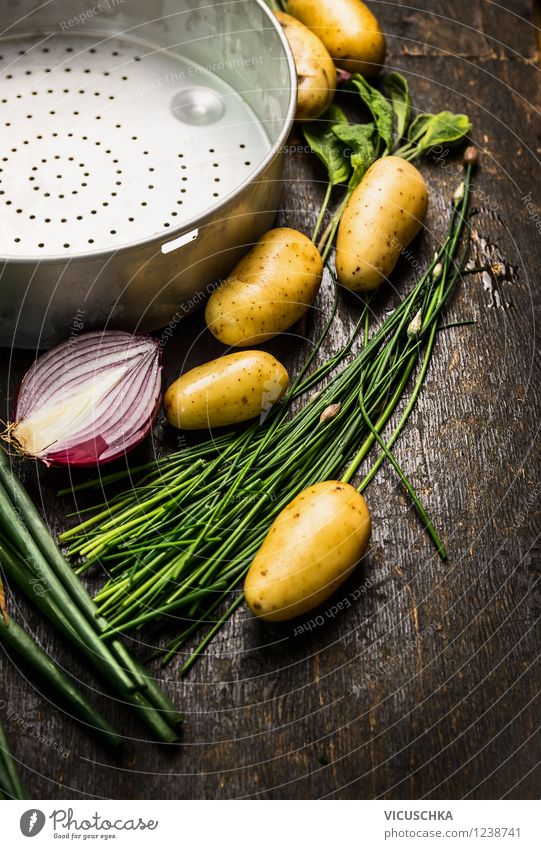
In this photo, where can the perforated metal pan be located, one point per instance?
(141, 151)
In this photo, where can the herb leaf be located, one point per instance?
(380, 108)
(401, 99)
(358, 138)
(427, 131)
(321, 138)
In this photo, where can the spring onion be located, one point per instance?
(11, 786)
(32, 562)
(15, 638)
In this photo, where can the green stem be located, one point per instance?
(322, 211)
(214, 630)
(10, 782)
(413, 495)
(18, 640)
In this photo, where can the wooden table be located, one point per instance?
(427, 686)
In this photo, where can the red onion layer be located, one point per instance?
(89, 400)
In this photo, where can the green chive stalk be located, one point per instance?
(11, 786)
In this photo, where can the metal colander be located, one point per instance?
(140, 155)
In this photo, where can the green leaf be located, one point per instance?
(401, 99)
(319, 135)
(358, 138)
(380, 108)
(427, 131)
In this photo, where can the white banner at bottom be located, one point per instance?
(271, 824)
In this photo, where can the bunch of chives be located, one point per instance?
(183, 538)
(32, 561)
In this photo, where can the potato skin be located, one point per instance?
(268, 291)
(316, 74)
(348, 29)
(231, 389)
(384, 213)
(310, 549)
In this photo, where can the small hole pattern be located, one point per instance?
(94, 158)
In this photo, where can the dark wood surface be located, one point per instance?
(428, 686)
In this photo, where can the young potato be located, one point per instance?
(348, 29)
(316, 74)
(310, 549)
(268, 291)
(384, 213)
(225, 391)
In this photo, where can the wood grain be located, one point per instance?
(428, 686)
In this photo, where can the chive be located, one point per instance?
(10, 783)
(214, 630)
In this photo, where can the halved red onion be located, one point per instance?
(88, 400)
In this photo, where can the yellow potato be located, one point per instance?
(348, 29)
(268, 291)
(384, 213)
(225, 391)
(316, 74)
(311, 548)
